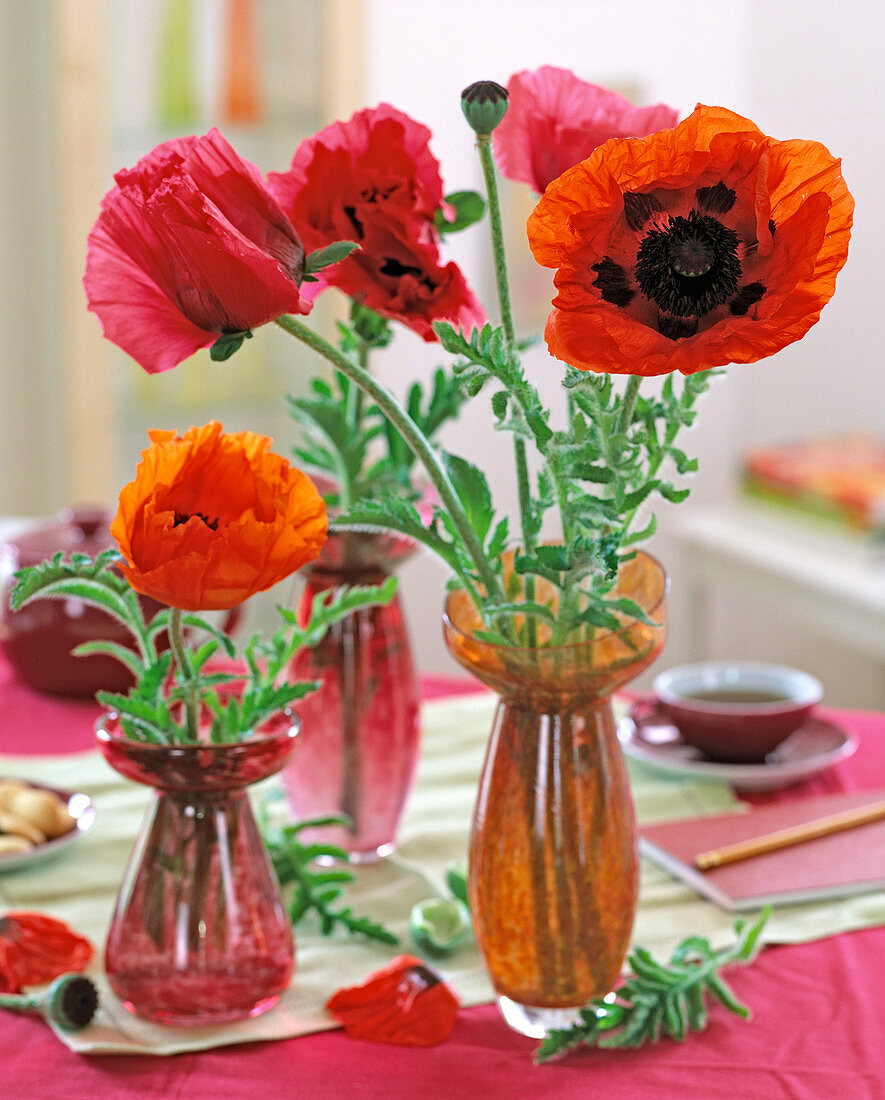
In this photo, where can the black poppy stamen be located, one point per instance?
(613, 284)
(183, 517)
(689, 266)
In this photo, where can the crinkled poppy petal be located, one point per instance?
(236, 187)
(405, 1003)
(380, 140)
(373, 180)
(212, 518)
(35, 949)
(190, 244)
(695, 247)
(554, 120)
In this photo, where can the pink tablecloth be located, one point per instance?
(818, 1029)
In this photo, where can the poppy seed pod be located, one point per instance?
(484, 105)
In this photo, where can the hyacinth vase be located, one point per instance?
(199, 934)
(553, 872)
(360, 738)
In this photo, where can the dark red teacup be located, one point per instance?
(736, 711)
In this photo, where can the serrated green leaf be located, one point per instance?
(631, 608)
(554, 557)
(473, 490)
(668, 492)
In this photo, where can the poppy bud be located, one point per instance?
(484, 105)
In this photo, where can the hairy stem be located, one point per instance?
(416, 440)
(190, 682)
(629, 403)
(483, 145)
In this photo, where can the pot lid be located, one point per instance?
(83, 529)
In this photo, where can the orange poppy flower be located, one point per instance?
(701, 245)
(35, 949)
(212, 518)
(406, 1003)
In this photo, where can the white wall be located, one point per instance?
(28, 396)
(798, 68)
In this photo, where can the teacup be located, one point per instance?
(736, 711)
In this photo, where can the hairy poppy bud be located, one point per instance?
(484, 105)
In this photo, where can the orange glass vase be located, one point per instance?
(553, 856)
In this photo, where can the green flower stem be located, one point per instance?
(484, 148)
(629, 403)
(416, 440)
(483, 145)
(191, 683)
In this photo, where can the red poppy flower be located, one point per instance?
(212, 518)
(554, 120)
(695, 247)
(373, 180)
(188, 246)
(406, 1003)
(35, 949)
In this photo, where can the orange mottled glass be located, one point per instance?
(553, 862)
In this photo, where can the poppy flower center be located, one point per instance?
(689, 266)
(183, 517)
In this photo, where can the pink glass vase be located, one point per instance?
(199, 935)
(360, 736)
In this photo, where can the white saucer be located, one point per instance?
(648, 736)
(80, 808)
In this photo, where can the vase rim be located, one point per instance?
(565, 647)
(290, 731)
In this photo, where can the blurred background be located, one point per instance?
(89, 86)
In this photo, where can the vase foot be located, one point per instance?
(534, 1021)
(372, 855)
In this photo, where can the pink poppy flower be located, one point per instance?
(373, 180)
(555, 120)
(188, 246)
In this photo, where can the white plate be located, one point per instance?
(648, 736)
(81, 810)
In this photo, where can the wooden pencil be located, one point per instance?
(795, 834)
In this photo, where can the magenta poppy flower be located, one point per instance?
(190, 245)
(373, 180)
(555, 119)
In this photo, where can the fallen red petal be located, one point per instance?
(406, 1003)
(35, 949)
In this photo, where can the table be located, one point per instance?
(818, 1031)
(808, 572)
